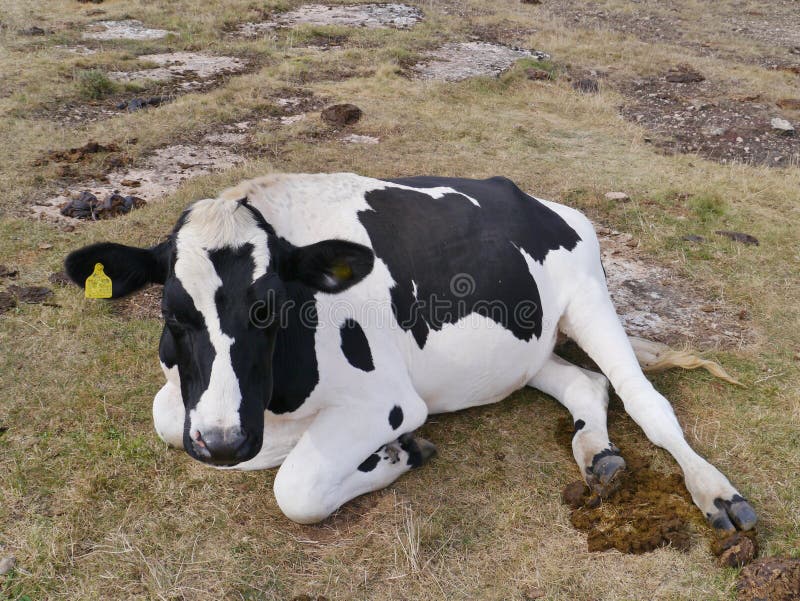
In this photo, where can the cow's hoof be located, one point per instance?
(606, 472)
(419, 450)
(732, 515)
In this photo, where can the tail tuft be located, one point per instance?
(654, 356)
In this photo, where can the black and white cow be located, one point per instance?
(313, 322)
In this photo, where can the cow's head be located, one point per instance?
(223, 269)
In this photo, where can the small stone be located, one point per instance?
(618, 196)
(574, 494)
(782, 126)
(537, 74)
(586, 86)
(130, 183)
(7, 564)
(45, 246)
(342, 114)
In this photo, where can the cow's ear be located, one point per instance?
(128, 267)
(329, 266)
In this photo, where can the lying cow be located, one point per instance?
(313, 322)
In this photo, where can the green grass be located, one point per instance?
(94, 505)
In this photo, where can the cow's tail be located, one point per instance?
(654, 357)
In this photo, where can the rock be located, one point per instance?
(586, 86)
(135, 104)
(7, 564)
(618, 196)
(789, 104)
(5, 272)
(7, 301)
(739, 237)
(32, 295)
(537, 74)
(575, 494)
(684, 74)
(693, 238)
(342, 114)
(782, 126)
(736, 550)
(45, 246)
(770, 579)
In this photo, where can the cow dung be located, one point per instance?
(31, 294)
(770, 579)
(736, 550)
(342, 114)
(7, 301)
(649, 510)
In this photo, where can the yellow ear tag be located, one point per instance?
(98, 285)
(342, 271)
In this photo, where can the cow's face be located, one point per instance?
(224, 301)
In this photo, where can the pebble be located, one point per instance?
(619, 196)
(7, 564)
(782, 126)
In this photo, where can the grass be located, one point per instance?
(94, 505)
(94, 84)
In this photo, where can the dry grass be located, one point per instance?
(94, 506)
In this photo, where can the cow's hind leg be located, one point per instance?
(591, 321)
(585, 394)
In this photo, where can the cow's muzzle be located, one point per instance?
(224, 446)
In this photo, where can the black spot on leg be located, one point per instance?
(369, 463)
(396, 417)
(355, 345)
(579, 424)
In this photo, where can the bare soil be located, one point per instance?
(702, 117)
(655, 303)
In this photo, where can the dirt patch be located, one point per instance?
(188, 68)
(158, 175)
(770, 579)
(650, 509)
(372, 16)
(129, 29)
(699, 117)
(462, 60)
(654, 303)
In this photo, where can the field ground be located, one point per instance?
(93, 505)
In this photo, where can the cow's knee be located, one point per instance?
(304, 498)
(168, 415)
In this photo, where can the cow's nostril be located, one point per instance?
(226, 446)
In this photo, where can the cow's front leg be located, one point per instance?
(347, 451)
